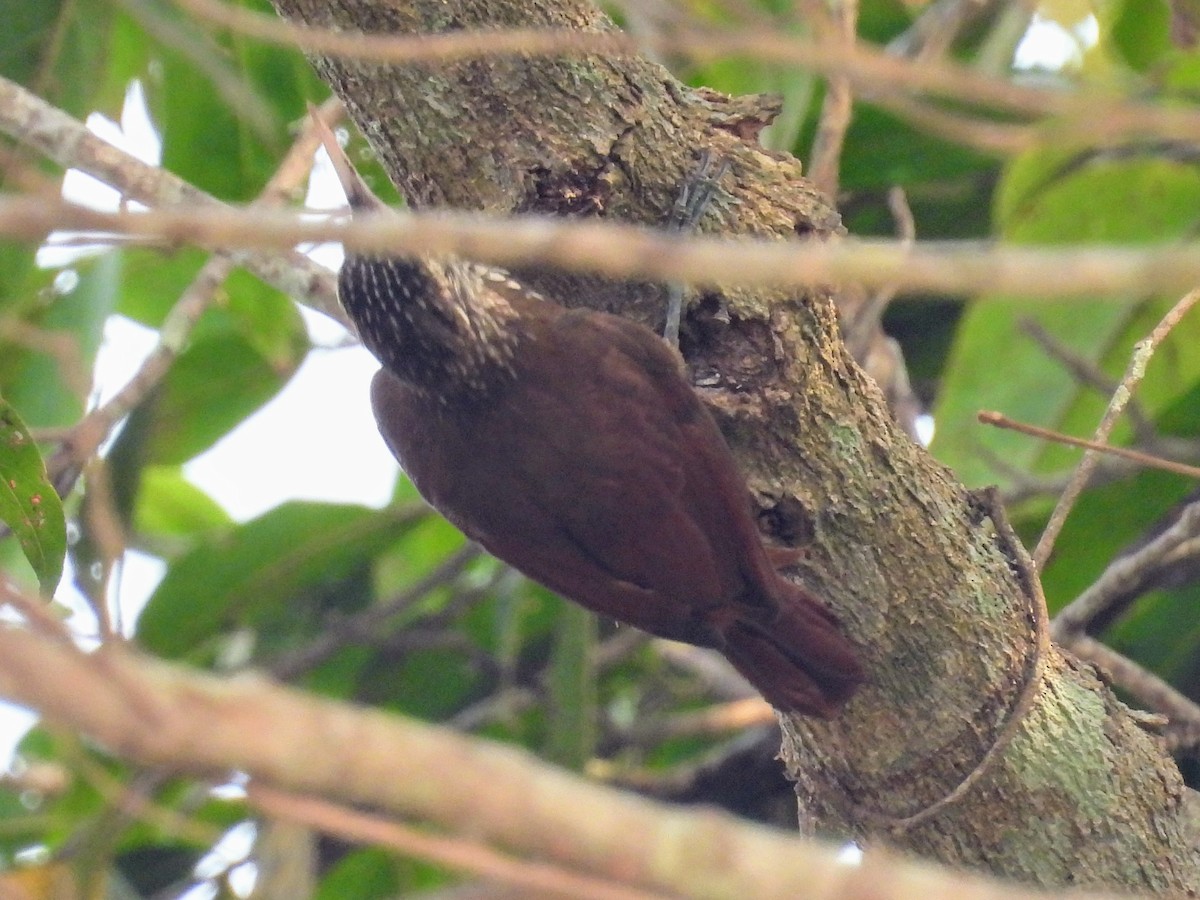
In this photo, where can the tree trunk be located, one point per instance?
(928, 587)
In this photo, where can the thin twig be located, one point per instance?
(367, 625)
(836, 28)
(937, 26)
(715, 672)
(183, 316)
(107, 536)
(862, 328)
(1136, 370)
(1150, 690)
(1090, 375)
(457, 852)
(1002, 139)
(720, 718)
(1124, 576)
(134, 801)
(34, 610)
(988, 417)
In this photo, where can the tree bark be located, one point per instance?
(1075, 792)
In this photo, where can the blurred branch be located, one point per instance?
(713, 670)
(835, 25)
(459, 853)
(32, 121)
(161, 715)
(209, 60)
(369, 626)
(626, 251)
(938, 26)
(719, 718)
(958, 127)
(861, 315)
(86, 437)
(1084, 115)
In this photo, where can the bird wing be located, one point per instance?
(596, 472)
(514, 523)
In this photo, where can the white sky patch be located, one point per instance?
(1049, 46)
(316, 440)
(850, 855)
(925, 426)
(137, 137)
(124, 346)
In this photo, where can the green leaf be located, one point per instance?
(1092, 536)
(47, 382)
(572, 681)
(266, 319)
(1117, 196)
(20, 827)
(1052, 199)
(1162, 632)
(1031, 387)
(1141, 32)
(881, 20)
(242, 352)
(369, 874)
(60, 50)
(81, 800)
(883, 151)
(170, 506)
(29, 504)
(225, 124)
(250, 573)
(212, 387)
(425, 682)
(153, 282)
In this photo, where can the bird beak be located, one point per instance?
(359, 196)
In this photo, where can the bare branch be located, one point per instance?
(987, 417)
(835, 28)
(1124, 576)
(1134, 373)
(1150, 690)
(455, 852)
(67, 141)
(160, 715)
(625, 251)
(1083, 115)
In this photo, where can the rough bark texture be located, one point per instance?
(894, 543)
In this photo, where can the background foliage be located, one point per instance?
(462, 639)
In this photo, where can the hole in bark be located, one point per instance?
(789, 522)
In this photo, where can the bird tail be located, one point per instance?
(800, 661)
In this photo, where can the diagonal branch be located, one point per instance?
(67, 141)
(160, 715)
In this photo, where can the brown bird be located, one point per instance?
(570, 444)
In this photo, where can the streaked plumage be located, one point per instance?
(570, 444)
